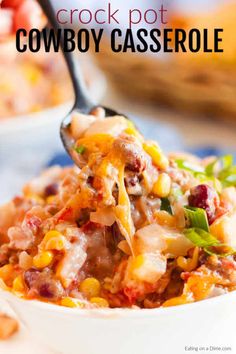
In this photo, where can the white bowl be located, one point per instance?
(209, 323)
(28, 142)
(48, 117)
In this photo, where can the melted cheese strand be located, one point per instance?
(123, 210)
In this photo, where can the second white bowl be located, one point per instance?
(205, 324)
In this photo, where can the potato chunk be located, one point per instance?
(150, 239)
(148, 267)
(113, 126)
(80, 123)
(224, 229)
(228, 197)
(159, 238)
(177, 244)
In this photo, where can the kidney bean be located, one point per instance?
(49, 288)
(44, 284)
(205, 197)
(51, 189)
(133, 155)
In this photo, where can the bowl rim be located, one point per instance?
(16, 124)
(117, 313)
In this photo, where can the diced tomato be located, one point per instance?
(18, 200)
(91, 226)
(131, 294)
(222, 210)
(66, 214)
(228, 264)
(12, 3)
(116, 300)
(22, 18)
(185, 275)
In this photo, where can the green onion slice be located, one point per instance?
(221, 164)
(201, 238)
(166, 206)
(80, 149)
(208, 242)
(188, 166)
(220, 172)
(197, 217)
(224, 170)
(230, 181)
(217, 250)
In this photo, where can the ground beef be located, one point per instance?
(135, 158)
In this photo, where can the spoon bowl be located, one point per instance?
(66, 135)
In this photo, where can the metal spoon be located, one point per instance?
(83, 103)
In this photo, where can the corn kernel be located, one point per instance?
(35, 198)
(51, 234)
(131, 130)
(162, 186)
(6, 272)
(90, 287)
(137, 262)
(163, 218)
(32, 74)
(56, 243)
(99, 301)
(176, 301)
(182, 262)
(18, 284)
(53, 240)
(51, 199)
(157, 155)
(43, 259)
(71, 302)
(107, 284)
(189, 264)
(163, 162)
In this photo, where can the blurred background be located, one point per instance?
(185, 101)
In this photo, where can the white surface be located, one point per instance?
(71, 331)
(21, 342)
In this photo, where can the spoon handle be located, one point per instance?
(82, 99)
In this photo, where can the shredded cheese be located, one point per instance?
(97, 143)
(123, 210)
